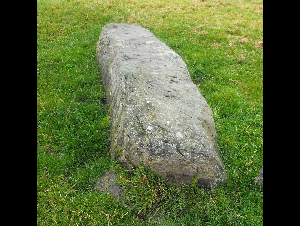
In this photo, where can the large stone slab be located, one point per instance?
(158, 116)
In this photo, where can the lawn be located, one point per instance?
(222, 44)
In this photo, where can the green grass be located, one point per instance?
(221, 43)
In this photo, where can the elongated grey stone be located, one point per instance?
(158, 116)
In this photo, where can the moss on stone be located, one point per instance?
(119, 152)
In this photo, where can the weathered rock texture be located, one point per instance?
(108, 184)
(158, 116)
